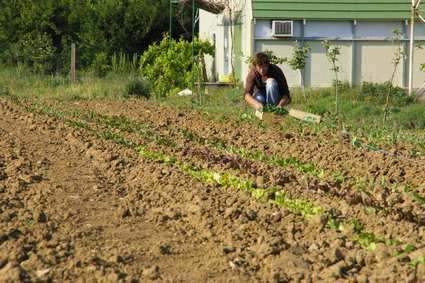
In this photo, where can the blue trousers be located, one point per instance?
(270, 95)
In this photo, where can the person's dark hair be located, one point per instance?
(261, 59)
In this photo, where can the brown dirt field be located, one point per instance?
(77, 208)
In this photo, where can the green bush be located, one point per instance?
(411, 117)
(378, 92)
(138, 87)
(100, 64)
(168, 64)
(343, 86)
(35, 51)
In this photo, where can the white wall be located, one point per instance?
(211, 24)
(340, 29)
(208, 27)
(374, 63)
(377, 30)
(366, 50)
(318, 71)
(367, 42)
(282, 49)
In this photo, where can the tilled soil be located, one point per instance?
(75, 207)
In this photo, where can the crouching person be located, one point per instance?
(266, 84)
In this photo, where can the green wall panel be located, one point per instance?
(332, 9)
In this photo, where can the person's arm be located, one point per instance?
(283, 88)
(285, 100)
(249, 90)
(252, 102)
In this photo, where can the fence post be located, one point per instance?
(73, 62)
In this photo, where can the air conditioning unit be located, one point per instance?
(282, 28)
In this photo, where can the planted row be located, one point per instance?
(224, 179)
(146, 131)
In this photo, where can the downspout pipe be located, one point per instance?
(415, 5)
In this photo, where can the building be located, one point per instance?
(363, 30)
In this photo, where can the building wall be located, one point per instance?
(366, 50)
(218, 26)
(211, 29)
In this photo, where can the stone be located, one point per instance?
(123, 212)
(420, 271)
(251, 215)
(42, 272)
(313, 247)
(112, 277)
(335, 271)
(338, 254)
(151, 272)
(228, 249)
(381, 252)
(12, 272)
(165, 249)
(360, 258)
(259, 181)
(362, 278)
(40, 217)
(276, 217)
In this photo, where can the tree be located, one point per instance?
(96, 27)
(397, 57)
(332, 53)
(299, 61)
(233, 9)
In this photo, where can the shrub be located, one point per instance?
(100, 64)
(35, 51)
(411, 117)
(124, 64)
(138, 87)
(378, 91)
(168, 64)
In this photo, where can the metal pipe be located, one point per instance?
(171, 19)
(411, 45)
(193, 45)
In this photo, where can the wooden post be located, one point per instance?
(73, 62)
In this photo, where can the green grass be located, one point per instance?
(21, 82)
(361, 115)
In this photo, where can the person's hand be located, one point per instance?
(258, 106)
(286, 100)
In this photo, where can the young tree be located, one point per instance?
(299, 61)
(397, 57)
(332, 53)
(233, 12)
